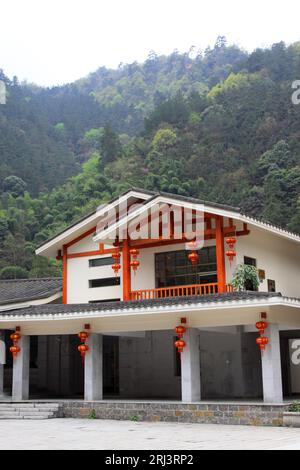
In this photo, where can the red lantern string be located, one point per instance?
(15, 349)
(116, 257)
(231, 253)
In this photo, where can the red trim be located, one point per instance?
(126, 270)
(220, 255)
(91, 253)
(65, 275)
(83, 235)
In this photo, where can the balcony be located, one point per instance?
(177, 291)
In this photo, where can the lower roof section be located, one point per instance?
(140, 305)
(23, 290)
(232, 309)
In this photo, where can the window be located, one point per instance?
(105, 282)
(271, 286)
(102, 301)
(249, 261)
(174, 269)
(93, 263)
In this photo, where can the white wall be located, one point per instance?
(279, 258)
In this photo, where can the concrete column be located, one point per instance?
(271, 367)
(2, 362)
(20, 386)
(190, 367)
(93, 366)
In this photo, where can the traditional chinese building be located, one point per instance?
(132, 296)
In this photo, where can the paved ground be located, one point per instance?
(118, 435)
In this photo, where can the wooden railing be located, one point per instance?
(177, 291)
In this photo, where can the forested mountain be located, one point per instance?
(218, 125)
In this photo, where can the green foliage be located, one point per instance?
(14, 185)
(294, 407)
(92, 414)
(13, 272)
(245, 275)
(220, 127)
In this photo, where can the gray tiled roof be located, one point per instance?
(56, 309)
(22, 290)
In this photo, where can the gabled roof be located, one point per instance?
(50, 247)
(24, 290)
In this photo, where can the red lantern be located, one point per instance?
(116, 267)
(193, 258)
(134, 264)
(83, 348)
(14, 350)
(83, 335)
(231, 254)
(262, 326)
(261, 341)
(134, 252)
(180, 330)
(116, 255)
(15, 337)
(231, 241)
(180, 344)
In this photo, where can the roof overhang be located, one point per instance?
(281, 310)
(52, 246)
(9, 306)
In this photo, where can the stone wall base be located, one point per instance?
(242, 414)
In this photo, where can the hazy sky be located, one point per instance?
(58, 41)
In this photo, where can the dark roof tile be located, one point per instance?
(55, 309)
(22, 290)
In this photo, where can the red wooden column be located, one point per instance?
(220, 255)
(126, 270)
(65, 275)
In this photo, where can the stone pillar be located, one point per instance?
(271, 367)
(93, 367)
(20, 386)
(2, 362)
(190, 367)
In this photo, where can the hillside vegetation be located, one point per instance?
(219, 126)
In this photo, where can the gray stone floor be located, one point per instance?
(118, 435)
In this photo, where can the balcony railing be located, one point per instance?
(177, 291)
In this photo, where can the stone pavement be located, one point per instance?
(117, 435)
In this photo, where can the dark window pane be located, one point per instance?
(174, 269)
(249, 261)
(100, 262)
(105, 282)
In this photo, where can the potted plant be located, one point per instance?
(292, 416)
(245, 278)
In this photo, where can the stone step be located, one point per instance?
(39, 416)
(29, 410)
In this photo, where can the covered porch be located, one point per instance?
(131, 353)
